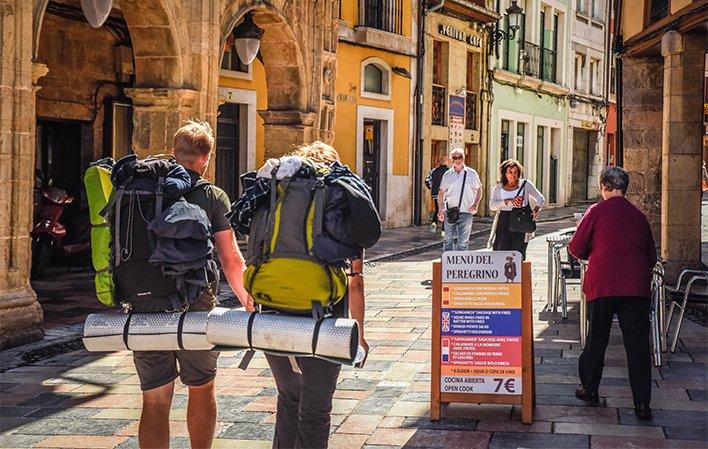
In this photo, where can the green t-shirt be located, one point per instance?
(214, 201)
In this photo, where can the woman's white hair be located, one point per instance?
(457, 150)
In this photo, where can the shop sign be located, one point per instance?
(454, 33)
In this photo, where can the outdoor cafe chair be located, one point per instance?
(691, 287)
(656, 314)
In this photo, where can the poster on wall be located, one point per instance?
(457, 122)
(480, 323)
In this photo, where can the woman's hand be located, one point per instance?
(441, 216)
(518, 201)
(534, 213)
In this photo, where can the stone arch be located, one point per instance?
(282, 54)
(155, 36)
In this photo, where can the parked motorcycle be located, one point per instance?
(48, 233)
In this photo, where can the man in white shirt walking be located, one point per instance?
(458, 198)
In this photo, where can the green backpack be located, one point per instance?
(99, 187)
(283, 273)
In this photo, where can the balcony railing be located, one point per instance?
(385, 15)
(537, 62)
(659, 10)
(438, 106)
(471, 111)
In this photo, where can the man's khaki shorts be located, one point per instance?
(158, 368)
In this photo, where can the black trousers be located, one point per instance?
(303, 417)
(633, 315)
(505, 240)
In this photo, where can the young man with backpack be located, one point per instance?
(157, 370)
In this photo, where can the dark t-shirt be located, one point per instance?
(213, 200)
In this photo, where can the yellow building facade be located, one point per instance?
(372, 107)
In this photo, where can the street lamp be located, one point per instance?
(247, 38)
(514, 15)
(96, 11)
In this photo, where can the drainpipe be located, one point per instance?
(418, 155)
(617, 54)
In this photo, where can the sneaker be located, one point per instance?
(442, 234)
(433, 227)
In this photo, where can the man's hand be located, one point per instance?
(441, 216)
(473, 209)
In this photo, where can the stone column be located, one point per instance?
(157, 114)
(681, 151)
(20, 313)
(642, 115)
(285, 130)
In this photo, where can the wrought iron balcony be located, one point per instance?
(385, 15)
(438, 106)
(471, 111)
(537, 62)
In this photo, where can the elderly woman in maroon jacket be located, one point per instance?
(616, 240)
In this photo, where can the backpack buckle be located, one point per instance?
(318, 312)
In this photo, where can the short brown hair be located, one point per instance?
(193, 140)
(318, 152)
(507, 164)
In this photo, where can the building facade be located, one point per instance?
(152, 65)
(588, 100)
(374, 120)
(530, 108)
(455, 86)
(662, 46)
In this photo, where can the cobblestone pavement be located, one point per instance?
(82, 400)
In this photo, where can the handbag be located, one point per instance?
(453, 213)
(521, 218)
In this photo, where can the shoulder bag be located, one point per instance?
(453, 213)
(521, 218)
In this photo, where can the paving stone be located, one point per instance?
(619, 442)
(347, 441)
(443, 424)
(360, 424)
(16, 412)
(20, 440)
(402, 408)
(666, 418)
(449, 439)
(80, 442)
(394, 437)
(73, 427)
(698, 395)
(57, 413)
(47, 400)
(10, 424)
(249, 431)
(608, 429)
(487, 425)
(687, 433)
(357, 384)
(416, 397)
(561, 413)
(512, 440)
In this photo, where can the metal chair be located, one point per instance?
(656, 315)
(565, 269)
(695, 289)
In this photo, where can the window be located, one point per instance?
(520, 142)
(385, 15)
(504, 140)
(579, 67)
(581, 6)
(658, 9)
(472, 88)
(231, 61)
(540, 146)
(598, 10)
(613, 79)
(439, 82)
(594, 64)
(375, 78)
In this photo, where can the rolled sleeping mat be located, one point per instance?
(146, 331)
(334, 339)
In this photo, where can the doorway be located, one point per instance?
(372, 157)
(581, 159)
(228, 151)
